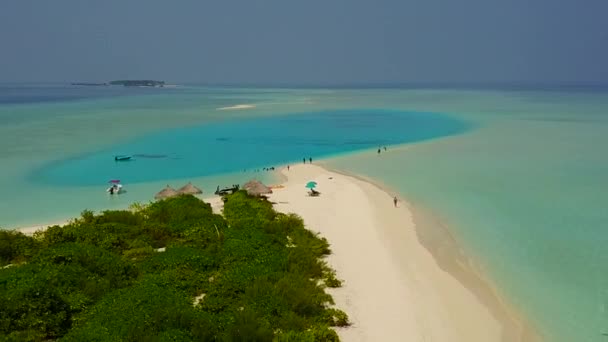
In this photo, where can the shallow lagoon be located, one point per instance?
(238, 145)
(58, 156)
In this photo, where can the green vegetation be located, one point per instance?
(250, 275)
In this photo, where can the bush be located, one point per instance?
(330, 278)
(139, 313)
(249, 326)
(335, 318)
(316, 334)
(16, 247)
(42, 298)
(89, 260)
(178, 211)
(100, 279)
(33, 310)
(125, 217)
(246, 212)
(139, 253)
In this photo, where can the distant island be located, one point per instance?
(126, 83)
(139, 83)
(89, 84)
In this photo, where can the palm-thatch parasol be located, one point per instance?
(166, 193)
(256, 188)
(189, 189)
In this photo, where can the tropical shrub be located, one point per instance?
(250, 275)
(15, 247)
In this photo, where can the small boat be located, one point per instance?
(227, 191)
(122, 158)
(115, 187)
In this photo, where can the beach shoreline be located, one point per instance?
(434, 299)
(443, 297)
(435, 236)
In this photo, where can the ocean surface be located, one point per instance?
(518, 175)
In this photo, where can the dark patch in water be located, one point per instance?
(151, 156)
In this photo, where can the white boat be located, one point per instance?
(115, 188)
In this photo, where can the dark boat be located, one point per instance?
(227, 191)
(122, 158)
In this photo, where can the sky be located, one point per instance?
(305, 42)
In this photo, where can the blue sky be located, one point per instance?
(305, 42)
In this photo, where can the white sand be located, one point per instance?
(390, 294)
(237, 107)
(30, 230)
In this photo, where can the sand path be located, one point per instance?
(393, 288)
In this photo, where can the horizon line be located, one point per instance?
(363, 85)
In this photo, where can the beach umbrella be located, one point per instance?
(311, 185)
(189, 189)
(166, 193)
(256, 188)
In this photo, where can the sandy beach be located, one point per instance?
(394, 288)
(30, 230)
(238, 107)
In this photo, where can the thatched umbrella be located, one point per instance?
(189, 189)
(166, 193)
(256, 188)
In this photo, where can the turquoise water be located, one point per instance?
(72, 122)
(523, 187)
(525, 193)
(234, 145)
(59, 155)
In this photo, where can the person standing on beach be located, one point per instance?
(309, 160)
(304, 160)
(379, 150)
(395, 201)
(287, 167)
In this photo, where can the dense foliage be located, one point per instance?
(169, 271)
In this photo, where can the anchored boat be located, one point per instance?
(115, 187)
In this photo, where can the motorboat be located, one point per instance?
(227, 191)
(115, 187)
(122, 158)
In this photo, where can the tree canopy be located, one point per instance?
(170, 271)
